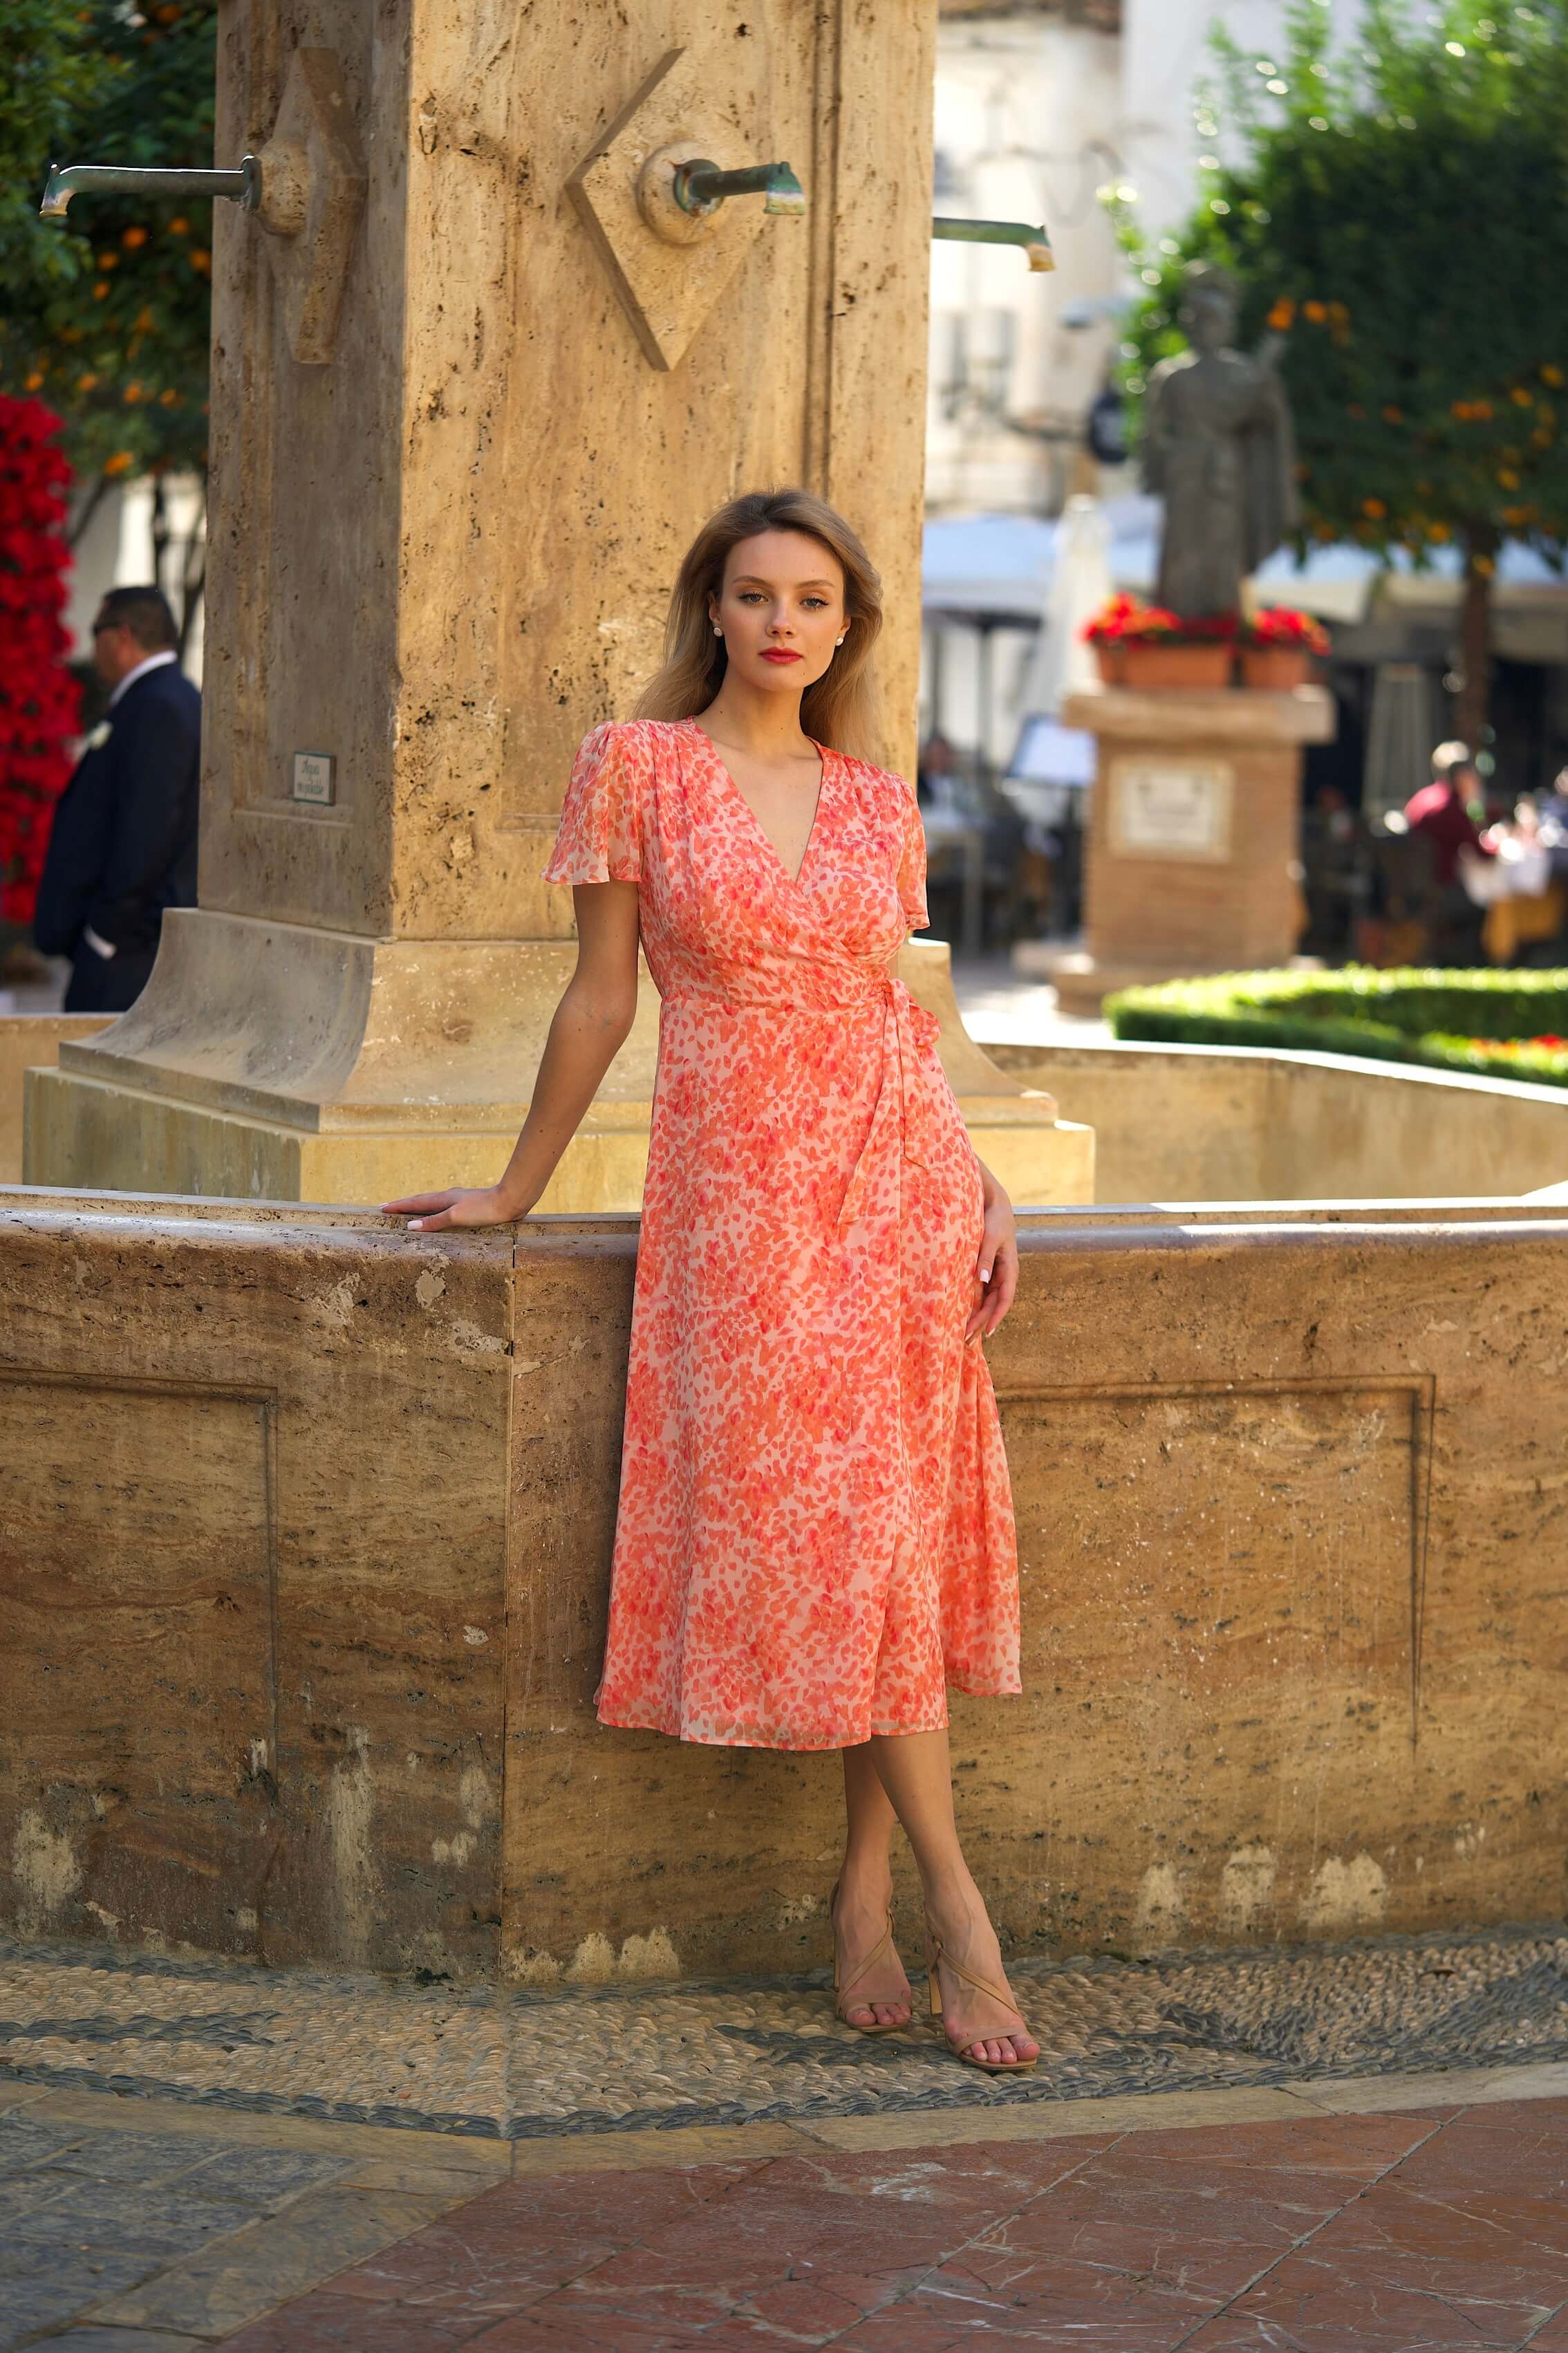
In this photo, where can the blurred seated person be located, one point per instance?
(1332, 859)
(1552, 821)
(1440, 812)
(940, 781)
(1439, 815)
(1525, 901)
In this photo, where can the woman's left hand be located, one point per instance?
(997, 1265)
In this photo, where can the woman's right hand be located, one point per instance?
(460, 1204)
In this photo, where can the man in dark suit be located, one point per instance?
(123, 845)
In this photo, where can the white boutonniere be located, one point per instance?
(98, 737)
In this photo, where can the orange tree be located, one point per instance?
(106, 317)
(1396, 208)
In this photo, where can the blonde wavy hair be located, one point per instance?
(841, 708)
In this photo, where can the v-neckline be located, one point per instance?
(823, 756)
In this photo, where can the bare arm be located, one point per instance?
(589, 1027)
(997, 1266)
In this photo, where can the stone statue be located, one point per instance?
(1219, 448)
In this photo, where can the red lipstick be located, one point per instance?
(779, 654)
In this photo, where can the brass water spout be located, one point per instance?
(1035, 241)
(65, 181)
(701, 187)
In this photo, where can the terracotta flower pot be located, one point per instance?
(1161, 667)
(1112, 655)
(1276, 669)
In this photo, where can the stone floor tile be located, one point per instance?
(1128, 2321)
(1309, 2305)
(417, 2175)
(915, 2328)
(88, 2337)
(616, 2205)
(128, 2156)
(1365, 2145)
(454, 2279)
(1001, 2283)
(988, 2175)
(1262, 2209)
(244, 2276)
(99, 2269)
(21, 2192)
(1458, 2224)
(311, 2324)
(26, 2140)
(117, 2216)
(61, 2292)
(263, 2176)
(551, 2328)
(1554, 2338)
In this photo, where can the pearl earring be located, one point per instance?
(717, 630)
(838, 641)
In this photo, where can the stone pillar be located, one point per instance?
(1191, 842)
(443, 552)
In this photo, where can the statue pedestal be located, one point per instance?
(1193, 834)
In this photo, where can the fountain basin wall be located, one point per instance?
(1241, 1123)
(305, 1528)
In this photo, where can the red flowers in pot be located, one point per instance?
(1142, 645)
(1279, 648)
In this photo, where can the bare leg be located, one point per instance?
(916, 1772)
(864, 1890)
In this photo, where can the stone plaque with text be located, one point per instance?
(315, 778)
(1171, 809)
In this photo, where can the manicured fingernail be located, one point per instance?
(415, 1225)
(985, 1274)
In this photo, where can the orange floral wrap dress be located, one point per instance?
(814, 1535)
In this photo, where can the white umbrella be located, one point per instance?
(1079, 585)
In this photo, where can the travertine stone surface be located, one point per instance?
(445, 556)
(1153, 911)
(26, 1039)
(1234, 1124)
(253, 1590)
(1292, 1564)
(285, 1063)
(309, 1598)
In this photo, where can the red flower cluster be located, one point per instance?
(1281, 624)
(1125, 622)
(37, 694)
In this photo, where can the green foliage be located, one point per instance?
(1437, 1018)
(106, 316)
(1398, 213)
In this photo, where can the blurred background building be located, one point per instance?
(1038, 109)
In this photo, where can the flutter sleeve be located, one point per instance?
(912, 868)
(599, 839)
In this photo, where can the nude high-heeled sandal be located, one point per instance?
(938, 1956)
(841, 1990)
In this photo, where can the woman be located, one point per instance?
(815, 1534)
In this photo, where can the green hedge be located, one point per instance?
(1431, 1018)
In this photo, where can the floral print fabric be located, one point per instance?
(816, 1533)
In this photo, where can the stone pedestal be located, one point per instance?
(1191, 857)
(443, 553)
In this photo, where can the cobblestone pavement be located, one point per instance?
(476, 2060)
(184, 2145)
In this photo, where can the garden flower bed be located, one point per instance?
(1502, 1024)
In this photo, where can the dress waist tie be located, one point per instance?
(903, 1086)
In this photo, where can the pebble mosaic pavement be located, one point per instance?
(517, 2065)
